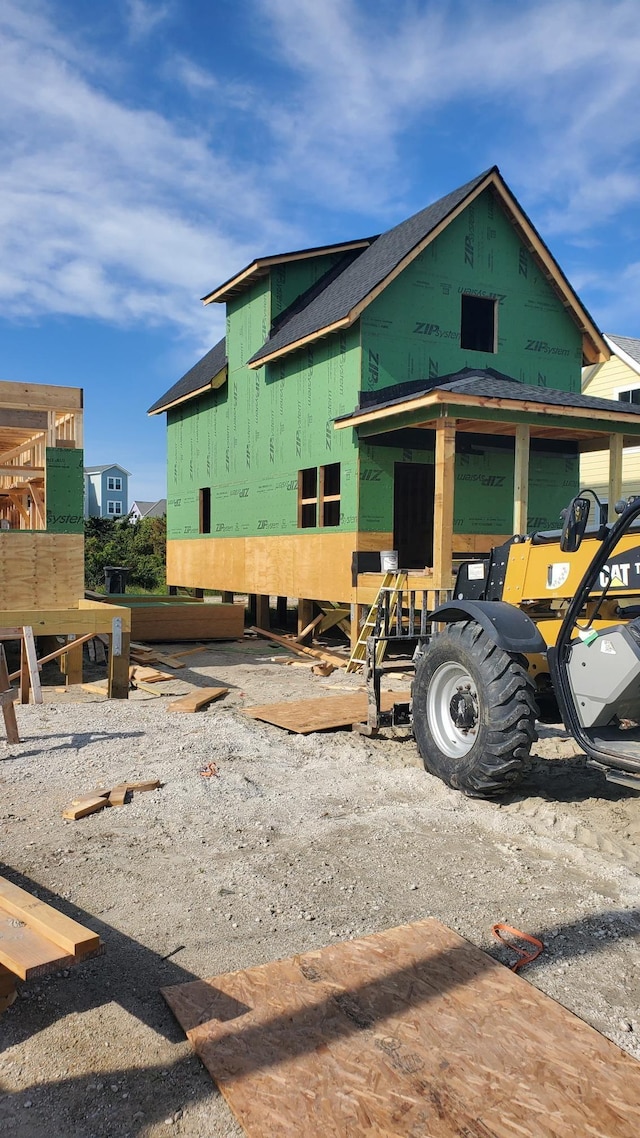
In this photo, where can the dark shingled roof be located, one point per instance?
(199, 376)
(368, 271)
(628, 345)
(491, 384)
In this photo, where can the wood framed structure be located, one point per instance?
(42, 526)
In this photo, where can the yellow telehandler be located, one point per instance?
(547, 626)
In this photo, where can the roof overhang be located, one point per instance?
(218, 381)
(261, 266)
(486, 415)
(622, 355)
(594, 346)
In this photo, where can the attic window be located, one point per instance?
(478, 324)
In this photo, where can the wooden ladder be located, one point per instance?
(393, 584)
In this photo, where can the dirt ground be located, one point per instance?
(299, 841)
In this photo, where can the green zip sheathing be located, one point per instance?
(483, 488)
(247, 440)
(291, 279)
(412, 330)
(64, 489)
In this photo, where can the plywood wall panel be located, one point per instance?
(314, 565)
(41, 570)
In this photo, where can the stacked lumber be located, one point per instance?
(35, 939)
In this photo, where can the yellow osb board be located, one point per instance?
(413, 1033)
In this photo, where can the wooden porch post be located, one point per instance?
(443, 502)
(616, 443)
(521, 480)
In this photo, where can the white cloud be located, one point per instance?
(553, 84)
(144, 16)
(108, 211)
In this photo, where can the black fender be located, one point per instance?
(509, 627)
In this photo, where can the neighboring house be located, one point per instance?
(106, 491)
(140, 510)
(382, 394)
(618, 378)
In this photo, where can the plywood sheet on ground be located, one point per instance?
(306, 715)
(411, 1032)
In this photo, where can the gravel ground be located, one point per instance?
(298, 841)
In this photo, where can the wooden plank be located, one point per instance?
(301, 649)
(46, 920)
(29, 648)
(521, 480)
(149, 675)
(26, 953)
(191, 620)
(118, 796)
(88, 806)
(196, 700)
(443, 503)
(410, 1033)
(307, 715)
(40, 396)
(29, 421)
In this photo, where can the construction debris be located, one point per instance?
(322, 669)
(293, 646)
(102, 797)
(197, 699)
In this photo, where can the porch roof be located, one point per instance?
(488, 402)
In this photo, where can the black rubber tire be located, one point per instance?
(506, 713)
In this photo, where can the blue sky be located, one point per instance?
(151, 148)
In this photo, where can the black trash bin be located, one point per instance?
(115, 578)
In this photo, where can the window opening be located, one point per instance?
(114, 483)
(478, 324)
(630, 395)
(319, 496)
(205, 509)
(114, 508)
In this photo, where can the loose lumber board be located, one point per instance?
(26, 953)
(410, 1033)
(293, 646)
(87, 806)
(307, 715)
(197, 699)
(45, 920)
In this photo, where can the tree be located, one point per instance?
(139, 546)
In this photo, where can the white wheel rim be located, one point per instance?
(452, 682)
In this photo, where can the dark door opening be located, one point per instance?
(413, 490)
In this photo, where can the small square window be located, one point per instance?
(478, 324)
(114, 483)
(114, 509)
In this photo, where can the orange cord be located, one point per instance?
(525, 955)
